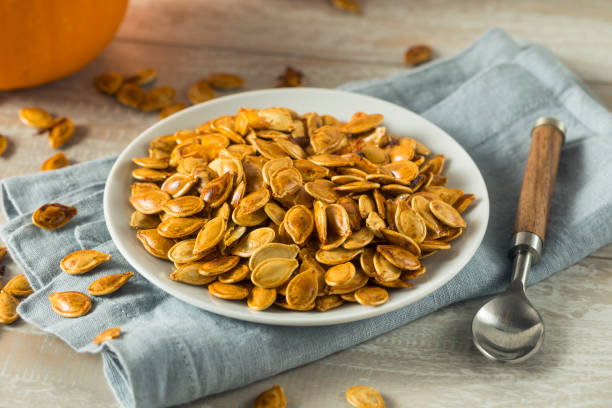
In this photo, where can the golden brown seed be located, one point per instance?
(447, 214)
(151, 163)
(174, 227)
(290, 78)
(217, 191)
(310, 171)
(463, 202)
(409, 222)
(336, 256)
(70, 304)
(151, 175)
(401, 240)
(400, 257)
(189, 274)
(61, 132)
(273, 272)
(57, 161)
(108, 284)
(178, 184)
(421, 205)
(363, 123)
(275, 212)
(371, 296)
(219, 265)
(143, 77)
(285, 182)
(302, 289)
(139, 220)
(149, 201)
(225, 81)
(338, 226)
(331, 160)
(182, 252)
(272, 250)
(358, 239)
(183, 206)
(3, 144)
(417, 54)
(271, 398)
(106, 335)
(154, 243)
(84, 260)
(433, 245)
(238, 274)
(228, 291)
(347, 5)
(299, 223)
(254, 201)
(200, 91)
(210, 235)
(158, 98)
(108, 82)
(327, 302)
(261, 298)
(362, 396)
(322, 190)
(253, 241)
(53, 216)
(130, 95)
(171, 110)
(385, 270)
(8, 307)
(35, 117)
(2, 251)
(340, 274)
(358, 281)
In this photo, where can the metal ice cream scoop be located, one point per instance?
(508, 328)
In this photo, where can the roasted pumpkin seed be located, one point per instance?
(108, 284)
(154, 243)
(35, 117)
(271, 398)
(183, 206)
(149, 201)
(273, 272)
(61, 131)
(106, 335)
(228, 291)
(8, 307)
(130, 95)
(362, 396)
(219, 265)
(53, 216)
(70, 304)
(447, 214)
(82, 261)
(189, 274)
(200, 91)
(57, 161)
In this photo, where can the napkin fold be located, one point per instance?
(487, 98)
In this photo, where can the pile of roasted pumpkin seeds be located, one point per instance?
(15, 288)
(302, 211)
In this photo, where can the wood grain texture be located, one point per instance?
(539, 180)
(428, 363)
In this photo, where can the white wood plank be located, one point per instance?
(581, 36)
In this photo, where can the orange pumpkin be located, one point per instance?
(44, 40)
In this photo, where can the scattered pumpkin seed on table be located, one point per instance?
(363, 396)
(57, 161)
(271, 398)
(3, 144)
(82, 261)
(301, 211)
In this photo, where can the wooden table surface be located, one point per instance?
(428, 363)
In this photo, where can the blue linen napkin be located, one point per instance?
(487, 98)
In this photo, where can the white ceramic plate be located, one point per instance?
(460, 169)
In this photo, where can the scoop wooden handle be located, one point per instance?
(547, 137)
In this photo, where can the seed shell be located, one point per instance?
(108, 284)
(70, 304)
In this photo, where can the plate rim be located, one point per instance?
(261, 317)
